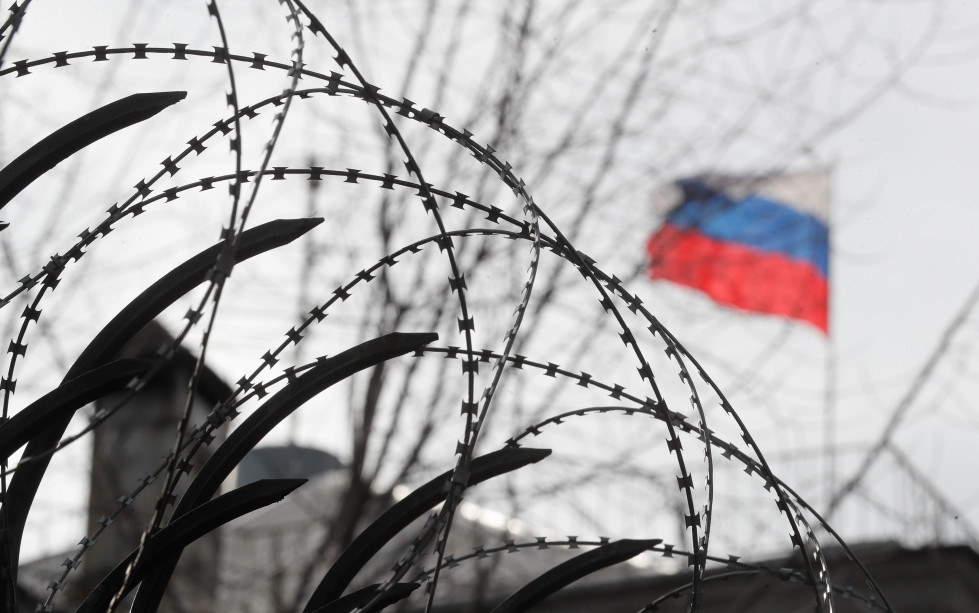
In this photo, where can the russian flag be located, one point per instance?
(757, 244)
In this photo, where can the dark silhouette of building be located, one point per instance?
(941, 579)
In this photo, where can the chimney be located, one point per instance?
(133, 442)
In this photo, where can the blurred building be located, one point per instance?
(270, 560)
(127, 446)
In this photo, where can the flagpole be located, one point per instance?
(829, 425)
(829, 384)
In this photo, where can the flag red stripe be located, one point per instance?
(738, 276)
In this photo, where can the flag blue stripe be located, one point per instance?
(756, 222)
